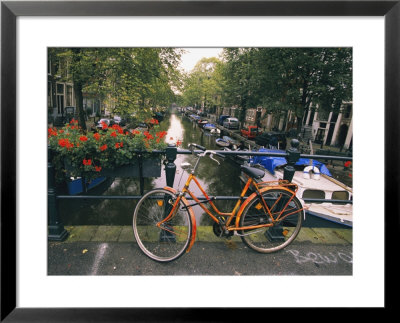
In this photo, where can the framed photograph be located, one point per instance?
(30, 28)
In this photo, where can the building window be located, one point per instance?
(60, 98)
(49, 95)
(69, 98)
(60, 88)
(347, 111)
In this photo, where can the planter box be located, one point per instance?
(150, 168)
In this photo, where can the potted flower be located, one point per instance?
(104, 153)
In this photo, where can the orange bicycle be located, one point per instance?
(268, 220)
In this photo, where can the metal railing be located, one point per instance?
(57, 232)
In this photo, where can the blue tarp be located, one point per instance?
(270, 163)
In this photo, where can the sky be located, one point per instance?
(193, 55)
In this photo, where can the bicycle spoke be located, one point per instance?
(285, 221)
(161, 240)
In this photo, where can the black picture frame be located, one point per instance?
(10, 10)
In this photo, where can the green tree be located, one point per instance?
(288, 78)
(202, 86)
(131, 80)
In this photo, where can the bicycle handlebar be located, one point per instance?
(205, 152)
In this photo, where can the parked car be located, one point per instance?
(120, 121)
(251, 132)
(222, 119)
(272, 140)
(231, 123)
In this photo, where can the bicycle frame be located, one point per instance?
(239, 207)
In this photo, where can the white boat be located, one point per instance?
(221, 142)
(232, 142)
(209, 126)
(314, 182)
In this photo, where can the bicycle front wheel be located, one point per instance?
(170, 240)
(285, 213)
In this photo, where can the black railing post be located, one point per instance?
(56, 230)
(292, 158)
(170, 167)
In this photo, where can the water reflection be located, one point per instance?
(215, 180)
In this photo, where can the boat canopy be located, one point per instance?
(210, 125)
(270, 163)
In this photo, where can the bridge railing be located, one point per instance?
(57, 232)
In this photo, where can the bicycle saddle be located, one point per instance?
(253, 172)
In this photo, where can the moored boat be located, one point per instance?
(209, 126)
(314, 183)
(232, 142)
(222, 143)
(201, 123)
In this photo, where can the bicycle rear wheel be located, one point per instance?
(283, 232)
(164, 243)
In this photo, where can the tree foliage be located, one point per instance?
(277, 79)
(128, 80)
(204, 84)
(288, 78)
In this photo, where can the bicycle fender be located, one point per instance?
(192, 217)
(251, 197)
(245, 203)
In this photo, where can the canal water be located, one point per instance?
(215, 179)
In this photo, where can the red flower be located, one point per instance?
(52, 132)
(87, 162)
(83, 138)
(161, 134)
(63, 142)
(104, 147)
(73, 121)
(104, 125)
(113, 134)
(135, 132)
(96, 136)
(97, 168)
(154, 121)
(347, 164)
(148, 135)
